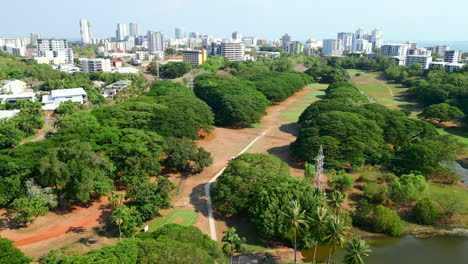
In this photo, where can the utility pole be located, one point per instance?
(319, 168)
(192, 85)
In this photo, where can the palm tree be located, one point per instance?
(335, 199)
(356, 248)
(336, 231)
(119, 216)
(296, 219)
(116, 199)
(234, 244)
(319, 222)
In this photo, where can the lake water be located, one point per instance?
(413, 250)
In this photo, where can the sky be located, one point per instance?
(430, 20)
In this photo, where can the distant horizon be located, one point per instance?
(426, 20)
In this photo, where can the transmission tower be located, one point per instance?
(319, 168)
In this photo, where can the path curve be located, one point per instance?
(211, 221)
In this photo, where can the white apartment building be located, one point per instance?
(452, 56)
(249, 41)
(95, 65)
(134, 29)
(332, 47)
(439, 49)
(423, 60)
(232, 50)
(150, 56)
(56, 97)
(155, 41)
(53, 51)
(236, 35)
(13, 87)
(121, 33)
(347, 38)
(85, 30)
(394, 50)
(362, 46)
(16, 46)
(377, 38)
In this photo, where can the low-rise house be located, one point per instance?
(13, 98)
(7, 114)
(113, 89)
(56, 97)
(13, 87)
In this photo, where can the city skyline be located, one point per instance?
(269, 19)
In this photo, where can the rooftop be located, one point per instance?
(68, 92)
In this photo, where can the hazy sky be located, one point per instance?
(443, 20)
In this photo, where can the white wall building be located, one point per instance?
(155, 41)
(121, 33)
(56, 97)
(424, 61)
(53, 51)
(347, 38)
(13, 87)
(232, 50)
(236, 35)
(377, 38)
(94, 65)
(134, 29)
(452, 56)
(394, 50)
(249, 41)
(16, 46)
(332, 47)
(85, 30)
(362, 46)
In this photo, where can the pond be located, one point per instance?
(413, 250)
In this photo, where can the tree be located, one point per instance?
(356, 249)
(335, 199)
(341, 182)
(409, 187)
(387, 221)
(319, 224)
(9, 135)
(309, 172)
(296, 218)
(28, 209)
(127, 219)
(234, 244)
(175, 69)
(375, 192)
(425, 212)
(116, 199)
(336, 231)
(11, 255)
(441, 113)
(184, 155)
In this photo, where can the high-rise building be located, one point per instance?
(180, 33)
(194, 57)
(377, 38)
(249, 41)
(439, 49)
(294, 47)
(85, 29)
(333, 47)
(155, 41)
(394, 50)
(236, 35)
(193, 35)
(34, 37)
(361, 33)
(55, 50)
(121, 33)
(133, 29)
(362, 46)
(261, 42)
(347, 38)
(232, 50)
(452, 56)
(285, 40)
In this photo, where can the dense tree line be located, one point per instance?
(354, 132)
(12, 67)
(22, 125)
(240, 99)
(121, 145)
(169, 244)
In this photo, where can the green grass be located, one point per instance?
(188, 218)
(437, 191)
(293, 112)
(461, 133)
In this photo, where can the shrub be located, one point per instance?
(410, 187)
(386, 220)
(341, 182)
(375, 193)
(362, 211)
(425, 212)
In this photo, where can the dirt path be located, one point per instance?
(226, 143)
(56, 230)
